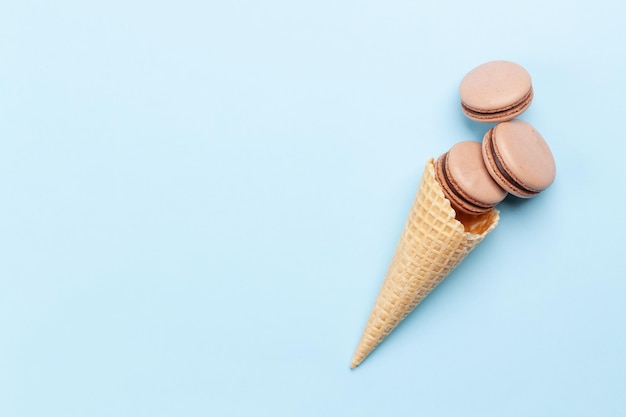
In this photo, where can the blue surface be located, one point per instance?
(200, 201)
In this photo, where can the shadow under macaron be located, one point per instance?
(513, 204)
(477, 129)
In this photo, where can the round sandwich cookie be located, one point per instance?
(518, 158)
(465, 181)
(496, 91)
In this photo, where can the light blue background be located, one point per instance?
(200, 201)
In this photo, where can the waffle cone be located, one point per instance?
(432, 244)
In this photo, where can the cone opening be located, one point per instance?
(477, 224)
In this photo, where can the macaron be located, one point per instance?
(496, 91)
(465, 181)
(518, 158)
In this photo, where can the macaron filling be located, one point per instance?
(507, 180)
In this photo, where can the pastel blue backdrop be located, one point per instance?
(200, 201)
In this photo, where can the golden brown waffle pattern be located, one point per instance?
(432, 244)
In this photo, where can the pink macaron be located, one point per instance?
(465, 181)
(496, 91)
(518, 158)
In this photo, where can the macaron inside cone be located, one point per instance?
(518, 158)
(496, 91)
(465, 181)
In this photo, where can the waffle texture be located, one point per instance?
(432, 244)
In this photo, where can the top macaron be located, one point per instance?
(496, 91)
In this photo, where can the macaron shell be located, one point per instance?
(467, 170)
(519, 158)
(495, 86)
(458, 204)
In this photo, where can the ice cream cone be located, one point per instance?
(432, 244)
